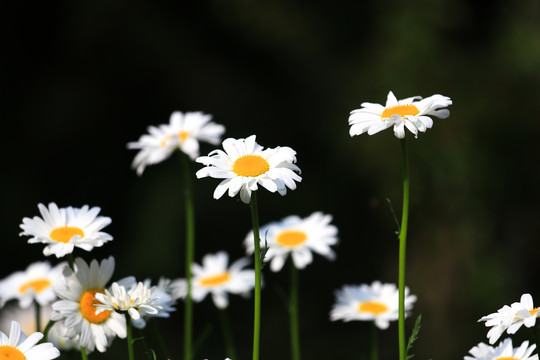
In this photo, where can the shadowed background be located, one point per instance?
(82, 79)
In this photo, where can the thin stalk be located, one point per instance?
(257, 259)
(374, 343)
(83, 353)
(129, 329)
(190, 250)
(38, 315)
(402, 251)
(293, 313)
(70, 261)
(226, 329)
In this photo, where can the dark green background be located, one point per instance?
(81, 79)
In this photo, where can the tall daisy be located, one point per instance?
(36, 283)
(63, 229)
(183, 132)
(505, 350)
(217, 278)
(412, 113)
(296, 237)
(244, 165)
(18, 346)
(77, 307)
(377, 302)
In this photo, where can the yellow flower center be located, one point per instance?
(534, 311)
(401, 110)
(88, 307)
(65, 233)
(11, 353)
(250, 165)
(507, 358)
(183, 135)
(373, 307)
(291, 238)
(165, 140)
(38, 285)
(215, 280)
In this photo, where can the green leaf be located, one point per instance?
(413, 337)
(394, 216)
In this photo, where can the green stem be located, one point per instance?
(293, 313)
(70, 261)
(129, 337)
(38, 315)
(83, 353)
(257, 258)
(190, 250)
(374, 342)
(402, 251)
(227, 333)
(47, 329)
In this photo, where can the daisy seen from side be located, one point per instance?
(244, 165)
(184, 131)
(217, 278)
(63, 229)
(18, 346)
(36, 283)
(77, 306)
(504, 351)
(297, 237)
(413, 113)
(377, 302)
(511, 318)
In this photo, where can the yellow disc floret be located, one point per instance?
(65, 233)
(88, 307)
(250, 165)
(11, 353)
(373, 307)
(291, 238)
(215, 280)
(38, 285)
(401, 110)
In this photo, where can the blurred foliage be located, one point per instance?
(81, 79)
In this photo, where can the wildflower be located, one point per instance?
(511, 318)
(297, 237)
(66, 228)
(18, 346)
(245, 164)
(215, 277)
(378, 302)
(411, 113)
(77, 307)
(503, 351)
(183, 131)
(36, 283)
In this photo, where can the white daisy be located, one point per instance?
(36, 283)
(18, 346)
(411, 113)
(183, 132)
(511, 318)
(66, 228)
(215, 277)
(77, 307)
(376, 302)
(505, 351)
(245, 164)
(297, 237)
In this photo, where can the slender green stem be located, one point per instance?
(38, 315)
(293, 313)
(190, 250)
(129, 330)
(226, 329)
(83, 353)
(47, 329)
(70, 261)
(374, 342)
(402, 251)
(257, 259)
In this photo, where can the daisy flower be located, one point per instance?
(18, 346)
(217, 278)
(411, 113)
(77, 307)
(183, 132)
(36, 283)
(245, 164)
(511, 318)
(503, 351)
(378, 302)
(66, 228)
(297, 237)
